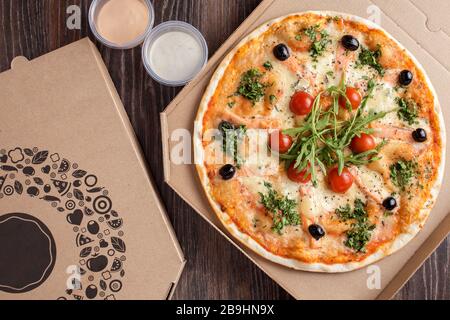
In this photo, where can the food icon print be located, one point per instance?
(75, 196)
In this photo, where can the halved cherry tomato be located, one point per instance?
(363, 143)
(353, 96)
(301, 103)
(280, 142)
(299, 176)
(340, 183)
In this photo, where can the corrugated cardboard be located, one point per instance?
(421, 28)
(65, 135)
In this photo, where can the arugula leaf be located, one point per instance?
(322, 139)
(283, 209)
(365, 157)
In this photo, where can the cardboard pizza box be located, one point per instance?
(421, 28)
(79, 216)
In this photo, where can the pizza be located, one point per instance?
(319, 142)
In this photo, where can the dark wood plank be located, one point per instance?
(215, 269)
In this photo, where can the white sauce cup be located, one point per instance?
(196, 63)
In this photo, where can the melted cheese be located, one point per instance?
(287, 80)
(254, 184)
(356, 75)
(324, 65)
(214, 153)
(289, 188)
(322, 200)
(384, 100)
(373, 183)
(260, 161)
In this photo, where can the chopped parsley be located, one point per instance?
(273, 99)
(232, 136)
(387, 213)
(370, 58)
(283, 209)
(268, 65)
(359, 235)
(311, 32)
(334, 18)
(361, 229)
(402, 173)
(407, 111)
(250, 86)
(320, 40)
(231, 104)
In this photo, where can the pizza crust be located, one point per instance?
(384, 250)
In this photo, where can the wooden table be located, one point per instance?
(215, 269)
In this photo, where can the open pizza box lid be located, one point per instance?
(77, 203)
(421, 28)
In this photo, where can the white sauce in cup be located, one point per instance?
(174, 53)
(175, 56)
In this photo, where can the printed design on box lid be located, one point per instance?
(86, 206)
(18, 233)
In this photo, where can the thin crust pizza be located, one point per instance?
(319, 142)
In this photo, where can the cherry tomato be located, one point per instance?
(299, 176)
(363, 143)
(353, 96)
(301, 103)
(340, 183)
(280, 142)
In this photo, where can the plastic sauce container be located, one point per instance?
(121, 24)
(174, 53)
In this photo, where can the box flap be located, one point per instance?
(431, 27)
(423, 40)
(70, 159)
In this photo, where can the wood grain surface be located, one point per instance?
(215, 269)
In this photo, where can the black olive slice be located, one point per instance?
(405, 78)
(281, 52)
(390, 203)
(419, 135)
(316, 231)
(227, 172)
(350, 42)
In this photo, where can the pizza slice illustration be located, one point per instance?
(62, 186)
